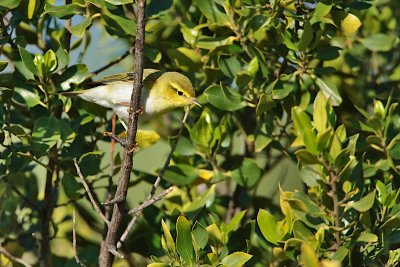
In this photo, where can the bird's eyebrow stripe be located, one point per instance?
(178, 88)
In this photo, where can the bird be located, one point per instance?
(161, 93)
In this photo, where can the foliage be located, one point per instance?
(315, 82)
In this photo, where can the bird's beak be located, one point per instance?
(194, 101)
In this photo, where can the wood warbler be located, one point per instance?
(161, 93)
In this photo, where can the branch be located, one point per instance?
(78, 261)
(86, 186)
(112, 63)
(156, 183)
(149, 202)
(12, 257)
(108, 252)
(67, 35)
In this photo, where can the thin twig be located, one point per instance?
(86, 186)
(112, 63)
(78, 261)
(156, 183)
(12, 257)
(115, 137)
(150, 201)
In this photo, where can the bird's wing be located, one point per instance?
(149, 77)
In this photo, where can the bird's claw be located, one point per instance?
(137, 112)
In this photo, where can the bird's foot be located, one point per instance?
(137, 112)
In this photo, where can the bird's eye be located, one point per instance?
(180, 93)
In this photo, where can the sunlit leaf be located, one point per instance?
(184, 239)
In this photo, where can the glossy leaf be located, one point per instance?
(248, 174)
(365, 203)
(224, 98)
(184, 239)
(268, 226)
(209, 9)
(27, 58)
(10, 4)
(236, 259)
(64, 11)
(79, 29)
(200, 235)
(330, 91)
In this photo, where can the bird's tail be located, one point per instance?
(71, 94)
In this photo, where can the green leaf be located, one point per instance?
(31, 99)
(202, 132)
(236, 259)
(248, 174)
(188, 60)
(366, 237)
(200, 235)
(229, 66)
(62, 58)
(32, 6)
(320, 114)
(169, 241)
(363, 204)
(330, 91)
(27, 59)
(63, 11)
(306, 157)
(269, 227)
(90, 163)
(74, 74)
(184, 239)
(301, 231)
(49, 62)
(211, 12)
(46, 133)
(310, 141)
(211, 43)
(301, 121)
(324, 140)
(19, 132)
(3, 64)
(10, 4)
(261, 142)
(181, 174)
(207, 197)
(185, 147)
(306, 37)
(79, 29)
(71, 186)
(224, 98)
(340, 254)
(119, 2)
(320, 12)
(118, 25)
(308, 256)
(379, 42)
(233, 224)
